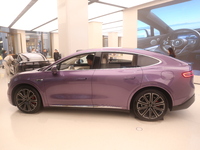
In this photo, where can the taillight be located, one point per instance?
(187, 74)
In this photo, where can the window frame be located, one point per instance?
(122, 64)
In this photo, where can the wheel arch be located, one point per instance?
(169, 99)
(24, 84)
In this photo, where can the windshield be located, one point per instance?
(182, 15)
(40, 69)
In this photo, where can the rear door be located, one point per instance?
(115, 81)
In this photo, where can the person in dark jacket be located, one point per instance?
(4, 54)
(171, 52)
(44, 52)
(56, 55)
(90, 59)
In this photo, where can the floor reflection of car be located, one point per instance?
(172, 24)
(143, 82)
(29, 61)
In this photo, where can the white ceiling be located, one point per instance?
(41, 15)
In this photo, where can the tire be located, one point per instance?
(150, 105)
(27, 99)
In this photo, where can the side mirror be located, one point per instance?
(54, 70)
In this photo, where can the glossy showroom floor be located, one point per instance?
(72, 129)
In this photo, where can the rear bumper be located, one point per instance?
(185, 105)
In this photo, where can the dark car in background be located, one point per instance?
(29, 61)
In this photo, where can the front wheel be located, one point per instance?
(150, 105)
(27, 99)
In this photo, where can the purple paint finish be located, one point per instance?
(109, 87)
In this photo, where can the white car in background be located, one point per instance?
(29, 61)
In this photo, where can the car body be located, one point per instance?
(29, 61)
(172, 24)
(143, 82)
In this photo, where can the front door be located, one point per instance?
(68, 87)
(72, 85)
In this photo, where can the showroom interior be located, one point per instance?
(69, 25)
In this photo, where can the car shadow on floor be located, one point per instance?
(85, 111)
(76, 113)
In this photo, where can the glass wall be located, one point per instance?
(46, 43)
(39, 41)
(33, 40)
(4, 34)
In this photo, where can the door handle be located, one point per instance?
(81, 79)
(39, 80)
(129, 78)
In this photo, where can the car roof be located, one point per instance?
(118, 49)
(32, 57)
(156, 55)
(163, 58)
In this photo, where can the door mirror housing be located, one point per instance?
(54, 70)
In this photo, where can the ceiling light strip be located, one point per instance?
(112, 27)
(54, 30)
(112, 22)
(90, 3)
(45, 23)
(105, 15)
(23, 12)
(111, 5)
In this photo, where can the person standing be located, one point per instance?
(44, 52)
(1, 59)
(171, 52)
(33, 50)
(4, 54)
(56, 55)
(7, 63)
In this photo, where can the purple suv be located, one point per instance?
(145, 83)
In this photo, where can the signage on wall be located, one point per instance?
(173, 24)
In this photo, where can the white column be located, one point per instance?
(54, 42)
(113, 39)
(129, 28)
(72, 26)
(95, 35)
(19, 41)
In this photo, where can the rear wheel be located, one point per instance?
(27, 99)
(150, 105)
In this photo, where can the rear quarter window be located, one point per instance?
(146, 61)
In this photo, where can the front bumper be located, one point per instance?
(185, 105)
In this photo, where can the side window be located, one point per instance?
(156, 32)
(118, 60)
(146, 61)
(76, 63)
(142, 34)
(145, 30)
(19, 58)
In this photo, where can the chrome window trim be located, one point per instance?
(87, 106)
(108, 51)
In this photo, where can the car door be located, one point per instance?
(72, 83)
(116, 80)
